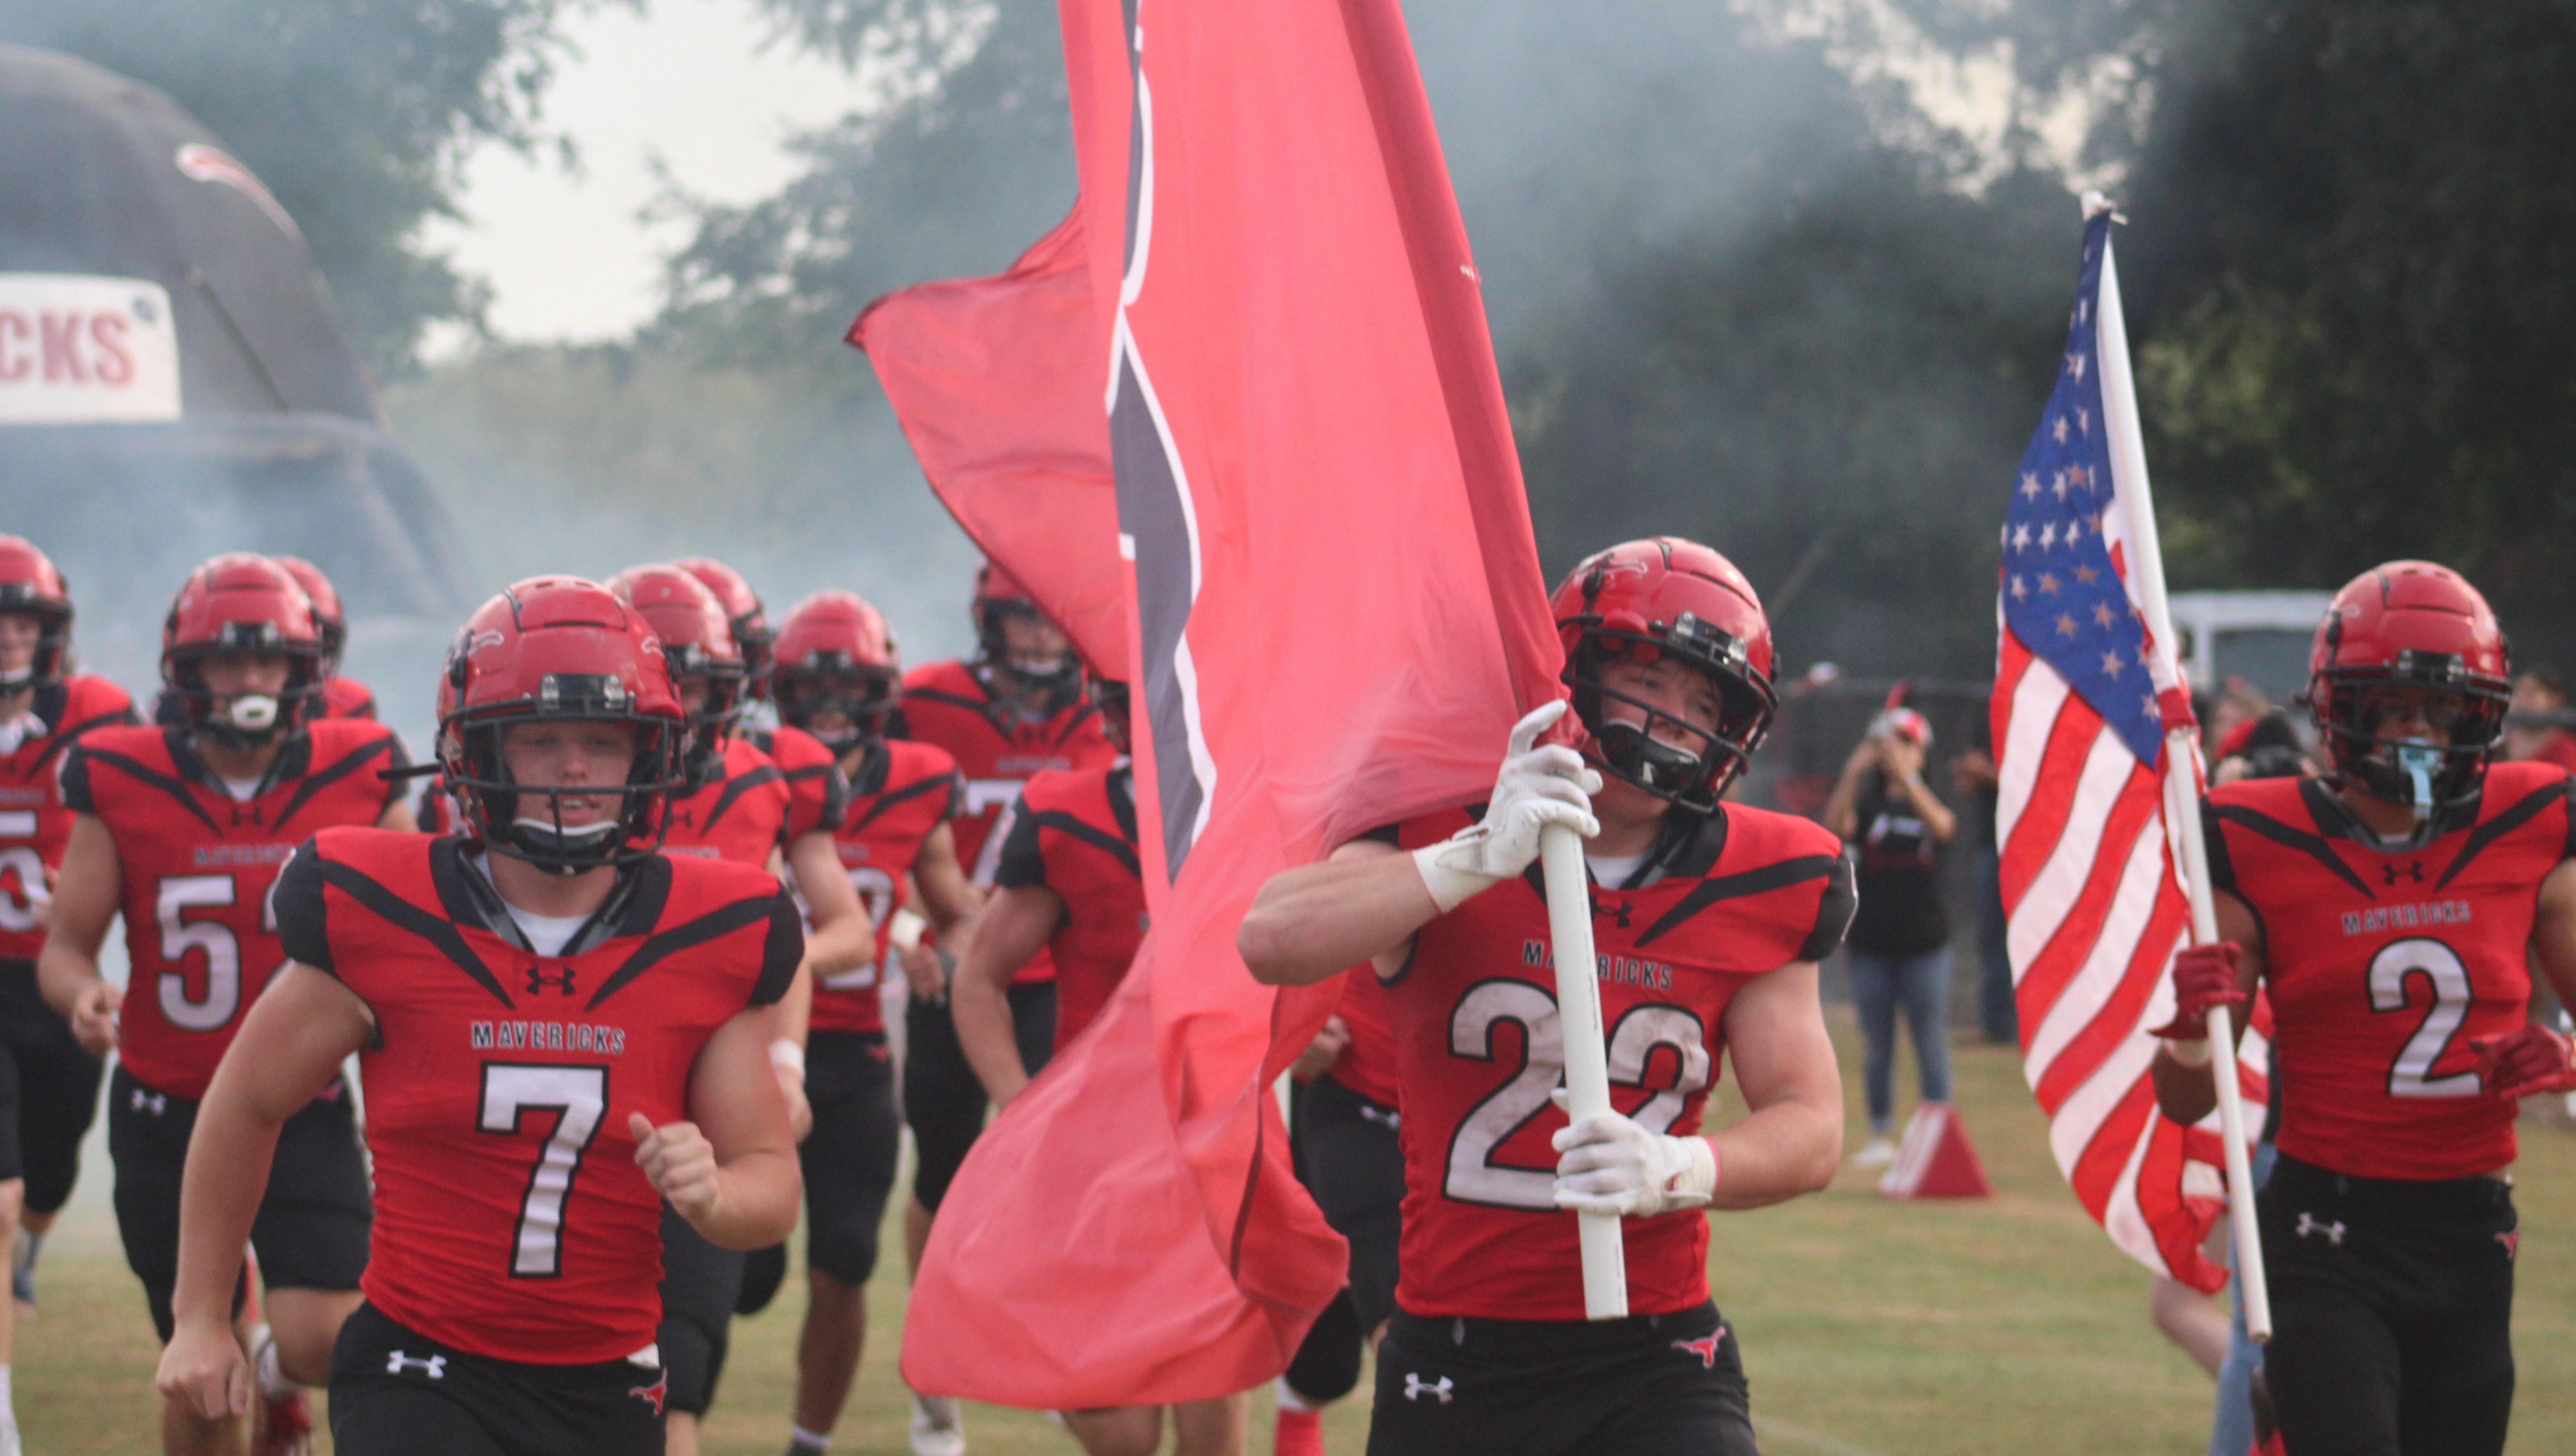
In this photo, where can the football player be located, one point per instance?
(48, 1082)
(838, 678)
(559, 1031)
(1068, 882)
(2393, 910)
(342, 697)
(1013, 709)
(1344, 1138)
(181, 827)
(738, 807)
(1708, 918)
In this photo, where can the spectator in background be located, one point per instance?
(2266, 748)
(2535, 724)
(2231, 717)
(1899, 946)
(1974, 778)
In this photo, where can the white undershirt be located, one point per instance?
(242, 790)
(1611, 871)
(22, 729)
(547, 934)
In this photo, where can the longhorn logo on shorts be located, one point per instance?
(1704, 1347)
(653, 1394)
(2512, 1243)
(1415, 1388)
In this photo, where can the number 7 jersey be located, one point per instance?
(2383, 965)
(511, 1219)
(1479, 1048)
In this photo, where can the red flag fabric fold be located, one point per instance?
(1338, 614)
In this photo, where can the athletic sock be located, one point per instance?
(802, 1442)
(1288, 1398)
(273, 1384)
(1298, 1433)
(8, 1417)
(22, 1264)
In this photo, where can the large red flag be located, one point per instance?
(995, 382)
(1339, 616)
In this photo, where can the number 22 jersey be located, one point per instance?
(2384, 965)
(1479, 1048)
(511, 1219)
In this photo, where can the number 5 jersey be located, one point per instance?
(1479, 1048)
(2384, 964)
(511, 1219)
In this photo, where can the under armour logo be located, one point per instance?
(2309, 1225)
(1622, 910)
(654, 1393)
(151, 1102)
(1415, 1388)
(398, 1362)
(2388, 873)
(538, 980)
(1705, 1347)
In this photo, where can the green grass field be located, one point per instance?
(1869, 1328)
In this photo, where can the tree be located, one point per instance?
(358, 115)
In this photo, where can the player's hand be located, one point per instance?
(2526, 1061)
(791, 1090)
(1536, 787)
(94, 1018)
(680, 1164)
(1611, 1164)
(925, 971)
(2204, 978)
(204, 1372)
(1323, 1051)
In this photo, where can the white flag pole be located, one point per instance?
(2182, 762)
(1587, 1060)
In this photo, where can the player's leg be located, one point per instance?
(1125, 1430)
(1873, 982)
(2332, 1365)
(1033, 1013)
(2457, 1396)
(147, 1144)
(395, 1392)
(1442, 1392)
(1352, 1162)
(57, 1102)
(699, 1285)
(943, 1101)
(311, 1236)
(1680, 1389)
(13, 1202)
(1216, 1427)
(849, 1166)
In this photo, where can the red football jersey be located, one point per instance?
(1367, 1062)
(1478, 1050)
(947, 705)
(740, 816)
(197, 865)
(818, 797)
(346, 697)
(1075, 833)
(511, 1219)
(2382, 966)
(901, 793)
(34, 824)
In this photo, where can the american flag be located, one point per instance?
(2095, 905)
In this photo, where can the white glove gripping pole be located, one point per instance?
(2182, 766)
(1587, 1060)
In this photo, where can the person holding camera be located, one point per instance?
(1899, 945)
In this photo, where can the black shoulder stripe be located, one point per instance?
(2222, 870)
(935, 783)
(734, 789)
(1093, 835)
(1082, 713)
(175, 788)
(934, 695)
(1834, 911)
(714, 925)
(2528, 808)
(348, 763)
(65, 738)
(406, 916)
(1731, 887)
(2312, 845)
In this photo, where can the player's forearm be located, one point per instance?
(755, 1204)
(227, 1172)
(2184, 1094)
(793, 1017)
(979, 1004)
(63, 972)
(842, 944)
(1787, 1149)
(1316, 921)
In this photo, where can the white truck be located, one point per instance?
(2260, 636)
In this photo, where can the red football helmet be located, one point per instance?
(29, 584)
(328, 619)
(2410, 625)
(998, 596)
(837, 656)
(743, 614)
(558, 648)
(240, 603)
(697, 642)
(1665, 597)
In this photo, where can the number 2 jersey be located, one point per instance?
(511, 1219)
(901, 793)
(197, 864)
(2383, 965)
(35, 826)
(1479, 1048)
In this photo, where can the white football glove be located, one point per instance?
(1537, 787)
(1610, 1164)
